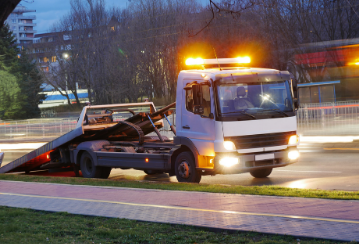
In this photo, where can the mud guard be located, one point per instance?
(90, 147)
(185, 141)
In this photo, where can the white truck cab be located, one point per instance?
(238, 119)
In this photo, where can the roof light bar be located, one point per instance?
(200, 61)
(193, 61)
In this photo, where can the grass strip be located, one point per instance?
(19, 225)
(251, 190)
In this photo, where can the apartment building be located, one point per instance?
(22, 25)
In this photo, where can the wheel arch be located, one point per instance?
(185, 145)
(90, 147)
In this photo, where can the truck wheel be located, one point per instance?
(89, 170)
(185, 168)
(261, 173)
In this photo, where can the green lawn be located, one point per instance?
(28, 226)
(252, 190)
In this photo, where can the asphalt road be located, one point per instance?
(332, 166)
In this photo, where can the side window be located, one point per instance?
(206, 100)
(189, 100)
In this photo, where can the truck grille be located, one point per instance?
(261, 140)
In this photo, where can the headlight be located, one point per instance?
(293, 155)
(293, 140)
(228, 145)
(228, 162)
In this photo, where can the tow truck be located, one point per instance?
(229, 120)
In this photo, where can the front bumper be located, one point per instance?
(250, 162)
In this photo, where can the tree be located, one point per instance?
(19, 81)
(6, 7)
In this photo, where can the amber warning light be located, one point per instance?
(200, 61)
(146, 160)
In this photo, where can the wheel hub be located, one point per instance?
(184, 170)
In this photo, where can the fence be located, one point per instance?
(340, 118)
(35, 128)
(320, 119)
(49, 129)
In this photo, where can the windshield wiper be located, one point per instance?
(242, 112)
(278, 110)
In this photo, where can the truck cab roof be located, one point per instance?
(259, 74)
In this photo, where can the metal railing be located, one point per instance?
(50, 128)
(319, 119)
(339, 118)
(35, 128)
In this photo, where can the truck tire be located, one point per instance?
(89, 170)
(261, 173)
(185, 168)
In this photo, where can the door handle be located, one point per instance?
(186, 127)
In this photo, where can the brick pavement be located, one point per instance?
(319, 218)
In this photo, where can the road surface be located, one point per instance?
(333, 166)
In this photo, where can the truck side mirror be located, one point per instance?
(296, 103)
(295, 93)
(197, 94)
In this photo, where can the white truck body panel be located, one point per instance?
(263, 126)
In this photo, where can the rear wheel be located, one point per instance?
(185, 168)
(261, 173)
(89, 170)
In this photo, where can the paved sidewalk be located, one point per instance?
(318, 218)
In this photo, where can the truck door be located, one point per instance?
(198, 127)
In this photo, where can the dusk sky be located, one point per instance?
(49, 12)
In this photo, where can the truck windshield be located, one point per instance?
(254, 100)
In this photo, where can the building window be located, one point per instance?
(53, 59)
(113, 28)
(46, 59)
(14, 20)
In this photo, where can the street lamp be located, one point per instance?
(65, 55)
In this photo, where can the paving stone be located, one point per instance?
(220, 206)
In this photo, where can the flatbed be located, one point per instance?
(40, 158)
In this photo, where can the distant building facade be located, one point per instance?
(49, 49)
(53, 52)
(21, 25)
